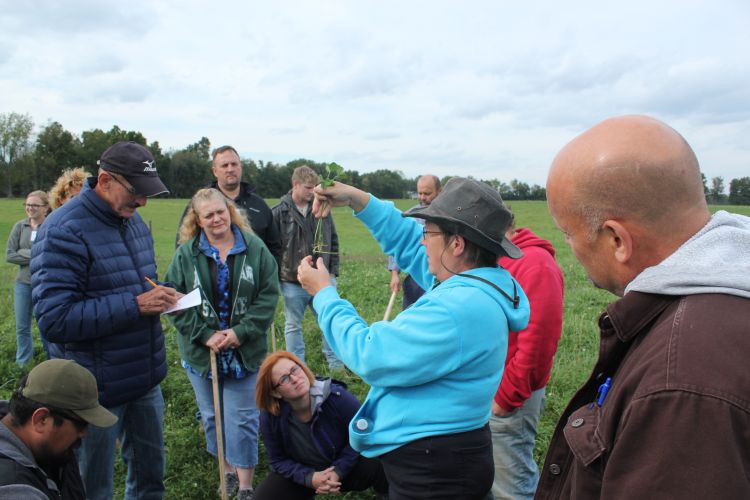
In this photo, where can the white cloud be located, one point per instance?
(491, 89)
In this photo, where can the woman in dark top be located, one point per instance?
(304, 422)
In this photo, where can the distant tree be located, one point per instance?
(201, 149)
(274, 180)
(705, 185)
(739, 191)
(56, 149)
(15, 135)
(538, 192)
(385, 183)
(188, 172)
(95, 142)
(716, 193)
(520, 190)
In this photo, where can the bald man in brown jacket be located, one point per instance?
(666, 411)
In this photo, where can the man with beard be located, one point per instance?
(44, 420)
(296, 224)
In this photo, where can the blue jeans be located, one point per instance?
(296, 300)
(139, 427)
(239, 417)
(513, 437)
(22, 306)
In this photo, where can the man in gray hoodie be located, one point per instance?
(666, 411)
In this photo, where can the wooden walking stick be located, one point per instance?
(217, 423)
(390, 306)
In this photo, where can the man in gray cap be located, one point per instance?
(44, 420)
(434, 368)
(91, 265)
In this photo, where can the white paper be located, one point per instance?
(186, 301)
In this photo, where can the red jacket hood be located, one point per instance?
(525, 238)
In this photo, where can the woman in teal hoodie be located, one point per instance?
(238, 281)
(434, 368)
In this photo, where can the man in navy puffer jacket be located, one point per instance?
(89, 267)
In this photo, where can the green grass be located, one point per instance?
(191, 472)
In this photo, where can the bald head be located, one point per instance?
(632, 168)
(428, 187)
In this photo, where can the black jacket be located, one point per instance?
(297, 232)
(257, 212)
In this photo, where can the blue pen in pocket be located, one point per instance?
(603, 390)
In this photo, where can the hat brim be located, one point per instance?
(98, 416)
(147, 185)
(503, 247)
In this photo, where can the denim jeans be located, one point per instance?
(22, 306)
(239, 417)
(139, 427)
(296, 300)
(513, 437)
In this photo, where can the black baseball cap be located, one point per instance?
(136, 163)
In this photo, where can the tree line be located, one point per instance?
(34, 161)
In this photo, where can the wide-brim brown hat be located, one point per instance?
(473, 210)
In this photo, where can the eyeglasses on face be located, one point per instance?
(425, 233)
(130, 189)
(79, 423)
(33, 205)
(284, 379)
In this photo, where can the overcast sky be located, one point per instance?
(491, 89)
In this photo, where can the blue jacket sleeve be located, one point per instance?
(63, 310)
(400, 237)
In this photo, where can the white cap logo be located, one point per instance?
(149, 166)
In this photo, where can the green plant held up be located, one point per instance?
(332, 172)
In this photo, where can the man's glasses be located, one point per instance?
(33, 205)
(130, 189)
(79, 423)
(425, 232)
(286, 378)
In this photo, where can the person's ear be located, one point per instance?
(275, 394)
(104, 180)
(620, 240)
(41, 419)
(458, 245)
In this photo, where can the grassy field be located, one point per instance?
(191, 472)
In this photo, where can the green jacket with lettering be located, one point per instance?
(255, 292)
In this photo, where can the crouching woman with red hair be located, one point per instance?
(304, 422)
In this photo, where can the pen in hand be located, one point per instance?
(150, 281)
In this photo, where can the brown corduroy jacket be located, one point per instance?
(676, 420)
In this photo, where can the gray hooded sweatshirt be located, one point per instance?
(715, 260)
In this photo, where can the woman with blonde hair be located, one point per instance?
(239, 286)
(67, 186)
(305, 427)
(18, 251)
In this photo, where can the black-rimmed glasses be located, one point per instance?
(425, 232)
(130, 189)
(33, 205)
(284, 379)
